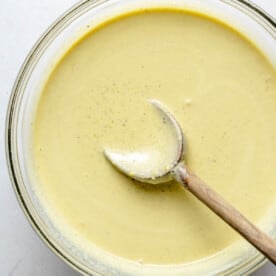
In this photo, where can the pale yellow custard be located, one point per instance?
(218, 86)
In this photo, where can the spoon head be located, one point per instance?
(152, 166)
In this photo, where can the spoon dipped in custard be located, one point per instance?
(154, 168)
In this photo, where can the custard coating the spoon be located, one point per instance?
(141, 165)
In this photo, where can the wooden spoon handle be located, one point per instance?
(228, 213)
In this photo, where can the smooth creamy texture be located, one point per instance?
(220, 89)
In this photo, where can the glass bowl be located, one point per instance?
(242, 15)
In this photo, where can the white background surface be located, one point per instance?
(22, 253)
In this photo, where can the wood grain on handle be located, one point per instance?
(228, 213)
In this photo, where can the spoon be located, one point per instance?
(136, 165)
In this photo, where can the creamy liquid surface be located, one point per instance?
(218, 86)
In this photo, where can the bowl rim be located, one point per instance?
(246, 6)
